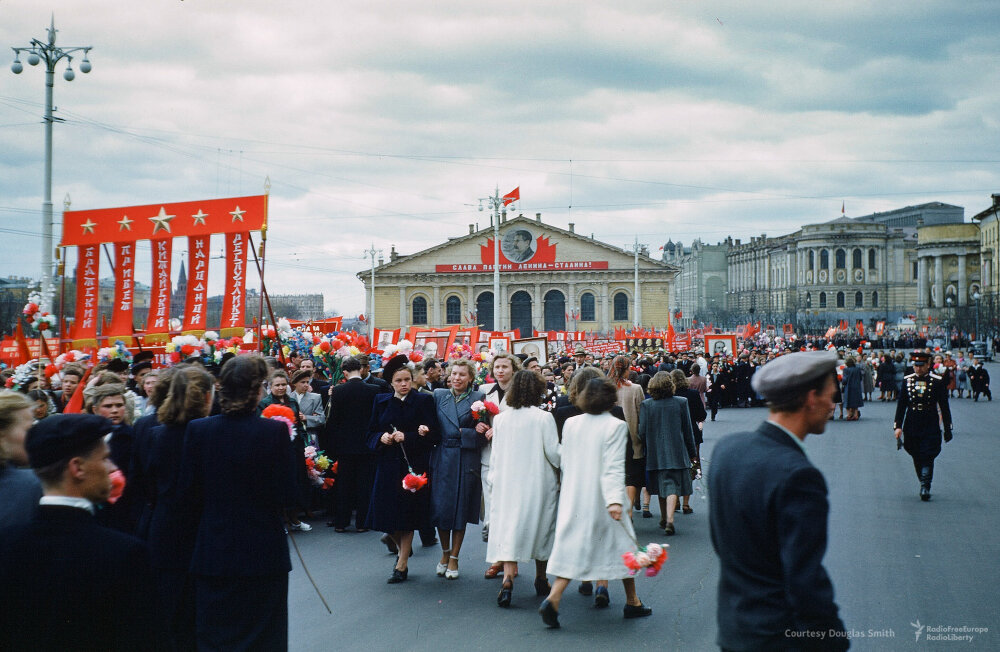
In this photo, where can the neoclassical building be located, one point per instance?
(551, 279)
(952, 266)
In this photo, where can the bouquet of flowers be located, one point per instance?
(320, 468)
(482, 411)
(651, 558)
(413, 482)
(281, 413)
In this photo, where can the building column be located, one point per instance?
(605, 313)
(939, 280)
(470, 303)
(571, 306)
(538, 310)
(963, 289)
(922, 298)
(403, 321)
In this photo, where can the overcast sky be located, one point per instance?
(384, 122)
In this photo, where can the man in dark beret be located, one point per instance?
(768, 517)
(921, 409)
(68, 582)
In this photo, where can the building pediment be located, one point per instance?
(526, 246)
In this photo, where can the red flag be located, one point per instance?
(841, 207)
(43, 350)
(512, 196)
(75, 403)
(23, 353)
(670, 332)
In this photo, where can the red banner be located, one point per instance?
(197, 291)
(87, 292)
(121, 327)
(234, 300)
(158, 323)
(470, 268)
(193, 218)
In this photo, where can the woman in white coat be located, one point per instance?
(524, 469)
(589, 542)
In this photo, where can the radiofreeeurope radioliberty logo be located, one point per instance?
(957, 633)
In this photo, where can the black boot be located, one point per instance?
(926, 475)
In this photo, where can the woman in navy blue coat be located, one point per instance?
(402, 422)
(237, 474)
(457, 490)
(170, 541)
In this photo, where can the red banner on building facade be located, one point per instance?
(121, 327)
(158, 323)
(196, 306)
(87, 292)
(234, 300)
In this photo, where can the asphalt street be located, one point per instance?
(898, 565)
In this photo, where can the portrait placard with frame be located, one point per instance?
(722, 344)
(500, 344)
(532, 347)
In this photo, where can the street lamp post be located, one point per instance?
(371, 307)
(976, 297)
(48, 52)
(496, 203)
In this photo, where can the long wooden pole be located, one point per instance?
(265, 297)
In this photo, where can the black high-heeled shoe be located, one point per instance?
(398, 576)
(505, 595)
(542, 586)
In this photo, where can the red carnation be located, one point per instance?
(31, 309)
(416, 356)
(413, 482)
(491, 407)
(337, 344)
(187, 349)
(51, 370)
(324, 346)
(117, 486)
(278, 410)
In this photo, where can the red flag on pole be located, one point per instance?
(23, 353)
(512, 196)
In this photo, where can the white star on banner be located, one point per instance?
(125, 224)
(237, 214)
(162, 221)
(88, 226)
(199, 217)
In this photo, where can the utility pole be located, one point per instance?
(496, 202)
(371, 307)
(41, 51)
(636, 299)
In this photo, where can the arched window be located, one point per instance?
(621, 306)
(871, 259)
(840, 299)
(453, 310)
(554, 311)
(822, 299)
(856, 259)
(419, 310)
(874, 299)
(859, 300)
(824, 259)
(841, 259)
(588, 312)
(520, 313)
(809, 300)
(812, 260)
(484, 311)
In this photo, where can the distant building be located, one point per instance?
(702, 282)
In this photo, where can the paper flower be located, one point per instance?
(651, 558)
(413, 482)
(281, 413)
(483, 410)
(117, 486)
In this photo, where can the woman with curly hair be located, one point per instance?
(630, 397)
(523, 466)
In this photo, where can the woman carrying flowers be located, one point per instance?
(457, 488)
(402, 432)
(590, 531)
(281, 396)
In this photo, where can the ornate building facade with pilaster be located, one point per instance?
(551, 279)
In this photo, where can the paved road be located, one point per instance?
(893, 559)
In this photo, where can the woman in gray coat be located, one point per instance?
(456, 486)
(665, 430)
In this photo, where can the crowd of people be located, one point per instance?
(550, 457)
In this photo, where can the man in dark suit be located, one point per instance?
(345, 439)
(368, 377)
(68, 582)
(768, 517)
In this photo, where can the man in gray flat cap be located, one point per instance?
(768, 517)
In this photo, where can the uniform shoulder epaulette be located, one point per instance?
(934, 376)
(909, 375)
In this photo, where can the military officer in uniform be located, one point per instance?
(921, 410)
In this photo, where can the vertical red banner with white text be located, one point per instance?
(196, 306)
(121, 327)
(87, 292)
(158, 322)
(234, 300)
